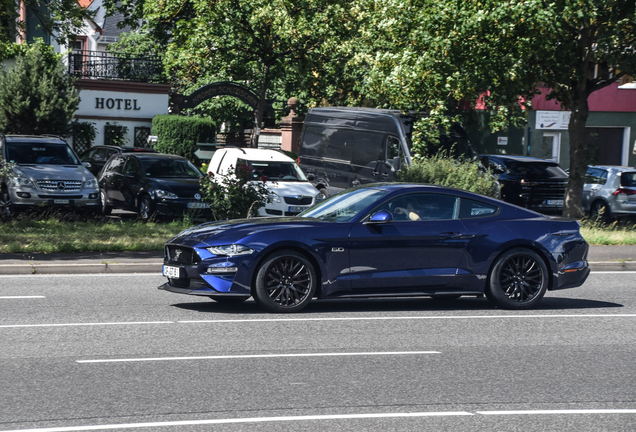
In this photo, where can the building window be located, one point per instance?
(141, 136)
(115, 134)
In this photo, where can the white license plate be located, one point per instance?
(554, 202)
(171, 272)
(198, 205)
(61, 201)
(296, 209)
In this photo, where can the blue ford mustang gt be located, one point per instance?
(385, 240)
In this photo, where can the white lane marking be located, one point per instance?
(616, 271)
(572, 411)
(47, 275)
(84, 324)
(408, 318)
(312, 417)
(20, 297)
(251, 356)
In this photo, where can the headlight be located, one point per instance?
(21, 181)
(91, 184)
(319, 197)
(165, 194)
(273, 198)
(230, 250)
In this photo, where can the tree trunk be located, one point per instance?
(579, 154)
(260, 109)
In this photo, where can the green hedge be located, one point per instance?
(179, 135)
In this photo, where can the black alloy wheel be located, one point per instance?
(599, 210)
(106, 209)
(146, 208)
(285, 282)
(6, 208)
(518, 280)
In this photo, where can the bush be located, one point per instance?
(234, 197)
(179, 135)
(443, 171)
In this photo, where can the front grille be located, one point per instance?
(295, 200)
(540, 191)
(180, 283)
(60, 185)
(181, 255)
(60, 196)
(274, 212)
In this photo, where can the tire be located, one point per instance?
(6, 208)
(229, 300)
(285, 282)
(518, 280)
(600, 210)
(146, 208)
(323, 192)
(106, 209)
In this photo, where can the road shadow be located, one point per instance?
(418, 304)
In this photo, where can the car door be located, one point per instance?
(131, 182)
(420, 250)
(111, 181)
(594, 180)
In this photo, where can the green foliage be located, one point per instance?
(38, 96)
(443, 171)
(115, 134)
(179, 135)
(234, 196)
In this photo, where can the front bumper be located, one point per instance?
(33, 198)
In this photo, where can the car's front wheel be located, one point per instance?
(6, 208)
(146, 208)
(285, 282)
(599, 210)
(518, 280)
(106, 209)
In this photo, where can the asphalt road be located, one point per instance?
(102, 352)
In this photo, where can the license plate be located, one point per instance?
(198, 205)
(296, 209)
(172, 272)
(554, 202)
(61, 201)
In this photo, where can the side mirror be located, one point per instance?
(87, 164)
(397, 163)
(380, 217)
(311, 177)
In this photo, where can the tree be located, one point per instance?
(38, 96)
(62, 19)
(442, 53)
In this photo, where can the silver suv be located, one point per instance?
(609, 191)
(43, 171)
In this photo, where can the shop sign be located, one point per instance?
(552, 119)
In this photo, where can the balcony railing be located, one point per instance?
(111, 66)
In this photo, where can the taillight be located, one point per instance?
(622, 191)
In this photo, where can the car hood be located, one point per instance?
(55, 172)
(228, 232)
(292, 188)
(179, 186)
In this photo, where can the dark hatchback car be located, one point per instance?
(386, 240)
(529, 182)
(97, 156)
(151, 183)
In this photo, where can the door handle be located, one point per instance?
(452, 235)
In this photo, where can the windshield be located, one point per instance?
(345, 206)
(538, 170)
(41, 154)
(169, 168)
(275, 171)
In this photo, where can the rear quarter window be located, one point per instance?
(469, 209)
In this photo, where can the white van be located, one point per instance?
(290, 191)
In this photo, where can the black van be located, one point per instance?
(342, 147)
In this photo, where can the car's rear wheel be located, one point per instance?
(285, 282)
(323, 192)
(106, 209)
(6, 207)
(146, 208)
(518, 280)
(599, 210)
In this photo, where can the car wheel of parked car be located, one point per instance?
(146, 208)
(106, 209)
(600, 210)
(323, 192)
(285, 282)
(6, 208)
(518, 280)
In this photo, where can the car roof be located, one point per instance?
(518, 158)
(152, 155)
(252, 154)
(34, 138)
(613, 167)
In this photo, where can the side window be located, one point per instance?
(115, 165)
(595, 176)
(394, 152)
(328, 143)
(243, 168)
(473, 209)
(367, 148)
(132, 165)
(423, 206)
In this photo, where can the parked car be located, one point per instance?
(378, 241)
(97, 155)
(289, 190)
(533, 183)
(609, 191)
(44, 172)
(151, 183)
(343, 147)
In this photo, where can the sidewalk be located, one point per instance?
(601, 258)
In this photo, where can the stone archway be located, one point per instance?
(180, 102)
